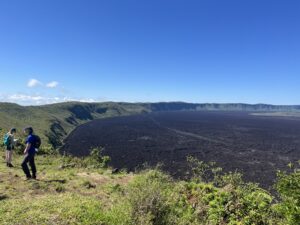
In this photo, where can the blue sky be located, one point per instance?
(147, 51)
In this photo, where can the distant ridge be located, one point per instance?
(166, 106)
(55, 121)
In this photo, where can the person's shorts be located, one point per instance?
(9, 148)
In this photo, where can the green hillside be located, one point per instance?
(54, 122)
(73, 191)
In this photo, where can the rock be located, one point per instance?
(115, 171)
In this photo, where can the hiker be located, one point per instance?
(9, 142)
(32, 143)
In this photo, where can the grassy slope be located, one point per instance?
(89, 196)
(54, 122)
(60, 196)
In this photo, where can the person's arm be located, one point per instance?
(28, 146)
(14, 141)
(11, 141)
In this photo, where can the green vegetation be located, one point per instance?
(54, 122)
(288, 187)
(84, 191)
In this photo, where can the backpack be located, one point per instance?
(6, 140)
(37, 143)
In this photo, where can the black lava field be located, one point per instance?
(257, 146)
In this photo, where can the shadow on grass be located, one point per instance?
(3, 197)
(62, 181)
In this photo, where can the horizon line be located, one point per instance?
(155, 102)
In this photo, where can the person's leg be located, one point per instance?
(25, 167)
(10, 158)
(6, 157)
(32, 165)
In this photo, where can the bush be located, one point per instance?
(47, 150)
(227, 199)
(96, 159)
(288, 187)
(147, 196)
(203, 172)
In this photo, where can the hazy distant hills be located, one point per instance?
(54, 122)
(229, 107)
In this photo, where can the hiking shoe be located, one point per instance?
(10, 165)
(28, 178)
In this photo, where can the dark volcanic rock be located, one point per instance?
(256, 146)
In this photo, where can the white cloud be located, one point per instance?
(26, 99)
(22, 97)
(52, 84)
(33, 83)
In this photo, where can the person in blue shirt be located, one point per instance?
(29, 153)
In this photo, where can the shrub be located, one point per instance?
(203, 172)
(71, 162)
(96, 159)
(288, 187)
(147, 196)
(47, 150)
